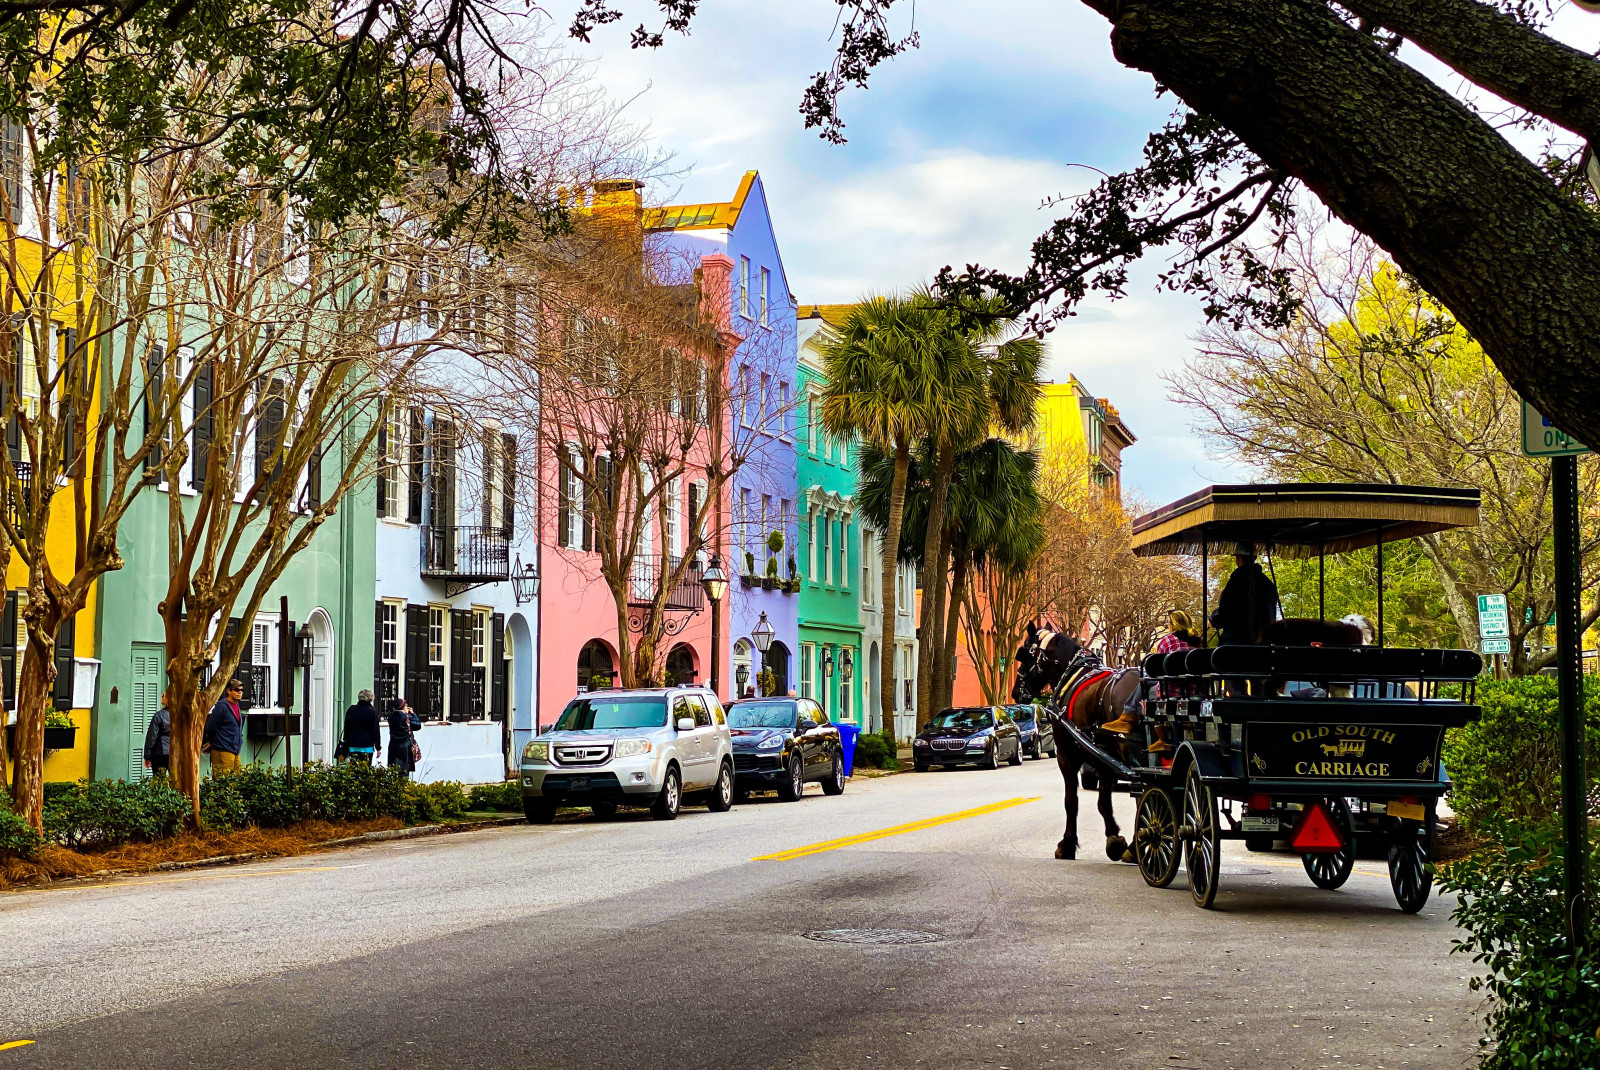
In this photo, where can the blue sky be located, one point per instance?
(951, 151)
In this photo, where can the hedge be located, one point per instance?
(1508, 763)
(108, 813)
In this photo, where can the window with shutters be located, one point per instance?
(271, 425)
(674, 510)
(389, 643)
(492, 462)
(204, 424)
(436, 633)
(480, 636)
(697, 512)
(416, 475)
(572, 504)
(392, 463)
(508, 484)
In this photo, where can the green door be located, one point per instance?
(148, 660)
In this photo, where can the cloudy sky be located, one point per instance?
(951, 151)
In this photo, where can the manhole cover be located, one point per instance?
(872, 936)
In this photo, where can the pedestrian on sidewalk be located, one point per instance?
(361, 735)
(404, 750)
(224, 732)
(158, 743)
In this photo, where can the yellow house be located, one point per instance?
(1079, 438)
(40, 292)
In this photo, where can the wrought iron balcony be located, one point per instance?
(688, 596)
(466, 553)
(257, 680)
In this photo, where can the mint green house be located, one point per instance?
(832, 669)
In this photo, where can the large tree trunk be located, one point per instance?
(186, 706)
(27, 771)
(935, 549)
(946, 676)
(891, 568)
(1395, 156)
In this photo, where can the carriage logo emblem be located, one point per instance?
(1354, 748)
(1425, 765)
(1259, 762)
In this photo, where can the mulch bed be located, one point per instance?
(59, 863)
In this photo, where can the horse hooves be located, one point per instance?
(1066, 853)
(1127, 856)
(1116, 848)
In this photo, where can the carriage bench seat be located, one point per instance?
(1341, 663)
(1446, 713)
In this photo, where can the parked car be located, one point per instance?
(781, 743)
(650, 747)
(983, 735)
(1038, 739)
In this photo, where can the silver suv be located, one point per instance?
(649, 747)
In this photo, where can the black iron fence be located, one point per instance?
(466, 552)
(686, 596)
(257, 680)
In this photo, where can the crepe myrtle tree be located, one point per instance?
(646, 405)
(1319, 95)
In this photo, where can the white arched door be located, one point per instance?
(319, 705)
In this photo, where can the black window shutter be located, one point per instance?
(286, 643)
(497, 668)
(491, 478)
(8, 651)
(269, 430)
(417, 675)
(461, 667)
(65, 636)
(419, 434)
(314, 479)
(377, 642)
(383, 459)
(694, 513)
(69, 406)
(154, 366)
(563, 500)
(204, 421)
(508, 483)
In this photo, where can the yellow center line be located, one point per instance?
(223, 876)
(898, 830)
(15, 1044)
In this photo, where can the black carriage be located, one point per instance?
(1313, 744)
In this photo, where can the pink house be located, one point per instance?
(578, 615)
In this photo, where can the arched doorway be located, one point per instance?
(778, 663)
(596, 668)
(744, 674)
(874, 696)
(519, 641)
(682, 665)
(319, 706)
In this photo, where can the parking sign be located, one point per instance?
(1494, 622)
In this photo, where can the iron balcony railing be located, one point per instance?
(257, 680)
(687, 596)
(466, 552)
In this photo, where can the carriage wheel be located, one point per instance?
(1203, 842)
(1330, 871)
(1155, 838)
(1409, 873)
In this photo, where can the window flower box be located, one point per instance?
(58, 738)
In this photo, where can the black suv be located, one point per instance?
(780, 743)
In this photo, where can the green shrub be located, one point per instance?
(222, 803)
(17, 837)
(105, 813)
(1544, 1009)
(507, 796)
(441, 801)
(1508, 763)
(875, 752)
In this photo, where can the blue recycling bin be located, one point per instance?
(847, 736)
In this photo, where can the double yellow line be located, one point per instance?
(898, 830)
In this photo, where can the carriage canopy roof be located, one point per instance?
(1301, 519)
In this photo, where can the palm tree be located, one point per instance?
(885, 383)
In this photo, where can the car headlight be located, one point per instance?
(979, 740)
(921, 743)
(770, 743)
(537, 750)
(632, 748)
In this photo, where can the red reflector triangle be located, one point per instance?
(1317, 833)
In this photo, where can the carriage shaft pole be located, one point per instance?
(1564, 476)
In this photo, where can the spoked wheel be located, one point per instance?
(1410, 875)
(1155, 838)
(1330, 871)
(1202, 839)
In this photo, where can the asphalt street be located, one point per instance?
(636, 943)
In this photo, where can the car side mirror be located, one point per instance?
(686, 724)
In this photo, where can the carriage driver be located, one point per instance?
(1249, 601)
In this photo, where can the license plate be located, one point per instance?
(1260, 824)
(578, 783)
(1409, 811)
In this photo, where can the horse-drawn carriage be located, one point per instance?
(1304, 740)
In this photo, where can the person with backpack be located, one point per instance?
(158, 743)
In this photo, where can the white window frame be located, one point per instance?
(808, 669)
(390, 652)
(827, 547)
(844, 551)
(811, 547)
(743, 525)
(785, 424)
(480, 637)
(438, 649)
(766, 284)
(744, 286)
(866, 567)
(761, 535)
(675, 521)
(394, 462)
(571, 489)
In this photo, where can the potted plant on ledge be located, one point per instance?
(749, 578)
(770, 581)
(59, 731)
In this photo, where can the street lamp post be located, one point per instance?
(762, 633)
(715, 581)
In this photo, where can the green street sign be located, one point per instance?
(1494, 620)
(1540, 438)
(1497, 646)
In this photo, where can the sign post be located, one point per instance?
(1540, 439)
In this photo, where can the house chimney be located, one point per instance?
(619, 199)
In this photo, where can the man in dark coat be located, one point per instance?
(1249, 601)
(158, 743)
(224, 732)
(361, 735)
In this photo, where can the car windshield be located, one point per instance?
(1022, 716)
(595, 711)
(761, 715)
(966, 720)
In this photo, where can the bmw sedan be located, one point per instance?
(968, 735)
(779, 744)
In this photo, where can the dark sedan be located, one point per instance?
(1038, 738)
(979, 735)
(781, 743)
